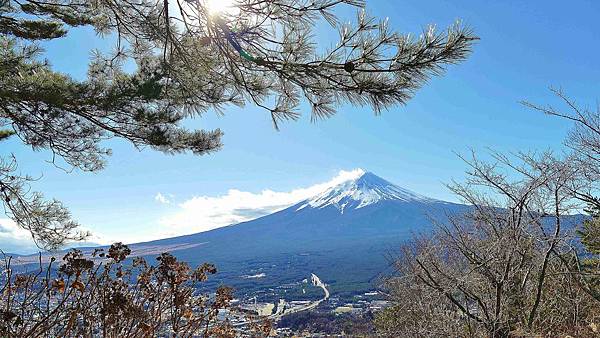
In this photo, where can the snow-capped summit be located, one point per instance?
(364, 189)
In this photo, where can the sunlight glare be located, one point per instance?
(216, 7)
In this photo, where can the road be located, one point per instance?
(316, 281)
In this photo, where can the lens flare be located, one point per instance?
(216, 7)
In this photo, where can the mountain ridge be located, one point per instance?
(362, 191)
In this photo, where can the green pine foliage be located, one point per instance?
(4, 134)
(189, 61)
(590, 232)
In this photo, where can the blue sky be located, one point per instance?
(525, 47)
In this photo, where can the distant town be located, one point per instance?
(263, 305)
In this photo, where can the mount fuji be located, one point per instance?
(365, 190)
(342, 234)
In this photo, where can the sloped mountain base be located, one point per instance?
(343, 235)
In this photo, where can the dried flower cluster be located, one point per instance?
(103, 295)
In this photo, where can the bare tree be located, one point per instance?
(514, 265)
(583, 140)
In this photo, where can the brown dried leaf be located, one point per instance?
(78, 285)
(59, 284)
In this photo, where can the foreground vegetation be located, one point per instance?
(104, 296)
(520, 263)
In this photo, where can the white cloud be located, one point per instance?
(202, 213)
(14, 239)
(162, 198)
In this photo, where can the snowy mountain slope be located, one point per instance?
(360, 192)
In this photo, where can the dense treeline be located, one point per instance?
(328, 323)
